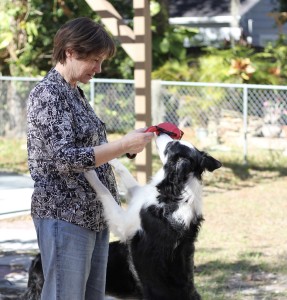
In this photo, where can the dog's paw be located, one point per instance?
(118, 167)
(116, 164)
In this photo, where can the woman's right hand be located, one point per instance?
(135, 141)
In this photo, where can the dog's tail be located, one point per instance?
(35, 280)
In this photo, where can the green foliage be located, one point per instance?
(212, 68)
(169, 46)
(255, 66)
(173, 70)
(6, 35)
(13, 155)
(282, 5)
(266, 66)
(271, 63)
(37, 21)
(214, 64)
(121, 65)
(119, 111)
(27, 29)
(167, 43)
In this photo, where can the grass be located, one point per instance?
(242, 247)
(241, 252)
(13, 155)
(261, 165)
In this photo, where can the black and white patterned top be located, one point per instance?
(62, 129)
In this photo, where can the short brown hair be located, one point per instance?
(85, 37)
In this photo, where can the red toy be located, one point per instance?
(168, 128)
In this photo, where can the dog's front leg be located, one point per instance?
(126, 178)
(120, 222)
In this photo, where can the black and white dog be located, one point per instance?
(153, 259)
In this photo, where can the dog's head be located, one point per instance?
(182, 161)
(183, 156)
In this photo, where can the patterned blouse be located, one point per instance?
(62, 129)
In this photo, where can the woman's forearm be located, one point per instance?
(107, 152)
(132, 143)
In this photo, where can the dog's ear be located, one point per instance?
(209, 163)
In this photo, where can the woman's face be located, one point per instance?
(82, 70)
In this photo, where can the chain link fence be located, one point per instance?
(13, 100)
(234, 117)
(223, 117)
(113, 102)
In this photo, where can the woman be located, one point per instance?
(65, 139)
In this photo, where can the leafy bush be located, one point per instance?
(239, 64)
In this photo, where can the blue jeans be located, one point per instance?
(74, 260)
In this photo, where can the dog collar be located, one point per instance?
(168, 128)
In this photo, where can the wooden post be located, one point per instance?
(137, 44)
(142, 76)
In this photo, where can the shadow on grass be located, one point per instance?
(241, 266)
(244, 171)
(233, 277)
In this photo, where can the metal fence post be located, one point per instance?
(92, 93)
(158, 109)
(245, 123)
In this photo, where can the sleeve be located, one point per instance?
(52, 117)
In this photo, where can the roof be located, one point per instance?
(206, 8)
(198, 8)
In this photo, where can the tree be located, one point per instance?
(168, 40)
(27, 29)
(282, 5)
(279, 13)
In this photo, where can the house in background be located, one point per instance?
(227, 20)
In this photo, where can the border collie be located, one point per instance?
(153, 259)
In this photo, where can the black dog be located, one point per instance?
(154, 258)
(35, 280)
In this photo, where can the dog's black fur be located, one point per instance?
(156, 261)
(35, 280)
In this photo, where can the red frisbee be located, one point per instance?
(168, 128)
